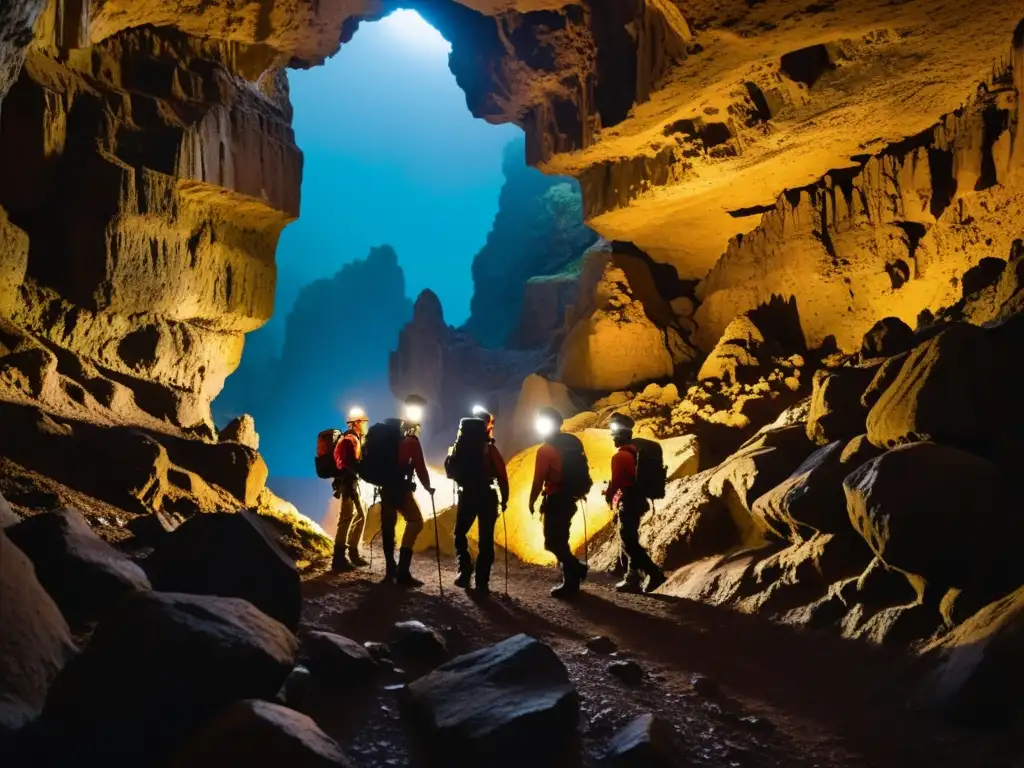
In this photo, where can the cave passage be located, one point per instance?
(400, 189)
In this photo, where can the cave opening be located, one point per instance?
(403, 191)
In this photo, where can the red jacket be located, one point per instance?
(347, 452)
(410, 459)
(499, 472)
(547, 472)
(623, 472)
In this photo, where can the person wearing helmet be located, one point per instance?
(630, 506)
(398, 499)
(346, 486)
(557, 507)
(477, 474)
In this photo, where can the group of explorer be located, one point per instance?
(388, 456)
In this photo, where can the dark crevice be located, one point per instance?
(807, 65)
(914, 231)
(753, 210)
(995, 121)
(899, 273)
(940, 163)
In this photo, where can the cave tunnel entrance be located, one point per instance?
(400, 192)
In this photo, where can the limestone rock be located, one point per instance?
(13, 252)
(336, 660)
(888, 337)
(735, 355)
(948, 391)
(83, 573)
(979, 666)
(160, 665)
(35, 642)
(932, 510)
(621, 333)
(836, 410)
(230, 555)
(811, 500)
(236, 468)
(241, 430)
(246, 732)
(756, 468)
(7, 515)
(885, 375)
(646, 741)
(523, 276)
(505, 705)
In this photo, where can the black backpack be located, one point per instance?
(466, 462)
(576, 481)
(326, 442)
(379, 462)
(651, 472)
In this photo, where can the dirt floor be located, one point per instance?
(786, 697)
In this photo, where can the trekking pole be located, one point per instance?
(437, 545)
(373, 501)
(586, 544)
(505, 526)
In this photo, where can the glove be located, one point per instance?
(429, 490)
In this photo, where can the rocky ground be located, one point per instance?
(738, 690)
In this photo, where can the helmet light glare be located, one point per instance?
(356, 413)
(544, 425)
(414, 413)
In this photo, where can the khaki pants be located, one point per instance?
(392, 504)
(352, 518)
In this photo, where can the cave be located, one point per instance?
(776, 248)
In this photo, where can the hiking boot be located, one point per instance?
(629, 584)
(584, 569)
(483, 588)
(569, 587)
(390, 569)
(355, 558)
(654, 581)
(463, 580)
(403, 577)
(339, 564)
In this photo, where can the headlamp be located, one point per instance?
(414, 413)
(479, 410)
(356, 414)
(544, 425)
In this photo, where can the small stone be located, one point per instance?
(628, 672)
(757, 724)
(377, 650)
(602, 644)
(338, 661)
(645, 741)
(415, 639)
(705, 686)
(296, 687)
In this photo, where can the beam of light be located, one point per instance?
(410, 30)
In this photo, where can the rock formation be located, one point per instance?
(538, 233)
(334, 356)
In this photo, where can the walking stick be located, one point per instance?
(367, 515)
(437, 545)
(505, 526)
(586, 543)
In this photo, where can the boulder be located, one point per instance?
(82, 573)
(249, 732)
(229, 554)
(978, 668)
(949, 390)
(624, 331)
(35, 642)
(889, 336)
(836, 411)
(7, 515)
(336, 660)
(885, 375)
(646, 741)
(517, 432)
(241, 430)
(811, 500)
(626, 670)
(236, 468)
(510, 704)
(757, 467)
(161, 664)
(932, 510)
(736, 357)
